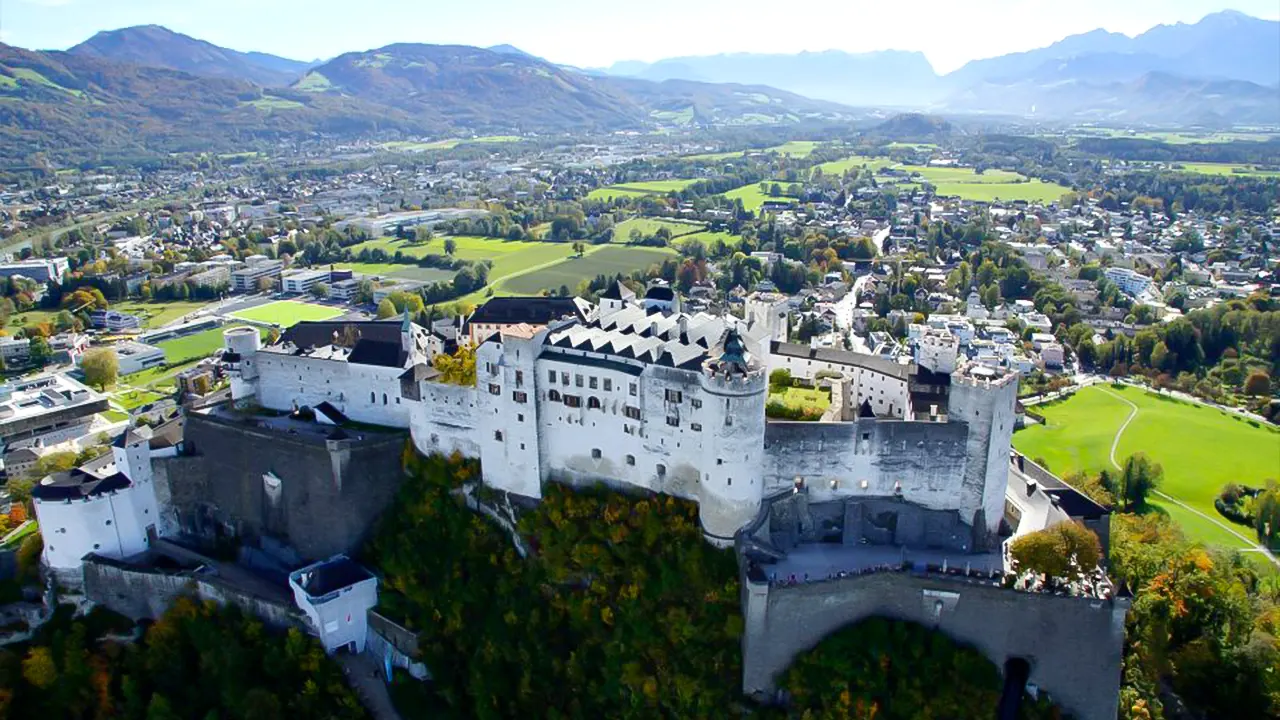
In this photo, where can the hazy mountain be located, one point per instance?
(156, 46)
(890, 77)
(1150, 98)
(505, 49)
(1226, 45)
(485, 90)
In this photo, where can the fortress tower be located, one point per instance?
(984, 399)
(733, 482)
(241, 348)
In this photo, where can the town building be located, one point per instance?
(522, 315)
(53, 407)
(41, 270)
(135, 357)
(1129, 282)
(298, 282)
(246, 279)
(114, 320)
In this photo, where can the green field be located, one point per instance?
(1226, 169)
(508, 256)
(862, 162)
(190, 347)
(794, 148)
(32, 317)
(638, 189)
(400, 271)
(270, 104)
(1201, 448)
(159, 314)
(988, 186)
(707, 238)
(752, 198)
(132, 399)
(602, 259)
(449, 144)
(283, 313)
(912, 146)
(648, 226)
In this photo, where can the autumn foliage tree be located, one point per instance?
(1065, 550)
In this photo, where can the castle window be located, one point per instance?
(96, 546)
(674, 396)
(729, 481)
(488, 367)
(564, 379)
(728, 420)
(519, 378)
(866, 436)
(384, 398)
(373, 398)
(673, 421)
(633, 390)
(520, 418)
(608, 385)
(662, 470)
(497, 435)
(719, 461)
(696, 427)
(592, 382)
(595, 453)
(631, 459)
(551, 376)
(577, 380)
(521, 446)
(554, 396)
(108, 522)
(696, 403)
(495, 389)
(519, 396)
(631, 412)
(593, 403)
(573, 401)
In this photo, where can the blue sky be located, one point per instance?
(592, 33)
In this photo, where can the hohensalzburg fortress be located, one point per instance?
(635, 394)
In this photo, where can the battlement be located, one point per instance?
(748, 382)
(981, 376)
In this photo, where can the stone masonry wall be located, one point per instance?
(328, 495)
(1073, 645)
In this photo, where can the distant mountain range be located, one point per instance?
(1217, 69)
(156, 46)
(148, 89)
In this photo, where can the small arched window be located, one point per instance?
(384, 398)
(373, 398)
(593, 403)
(554, 396)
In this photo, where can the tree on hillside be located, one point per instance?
(1135, 482)
(320, 290)
(450, 246)
(386, 309)
(579, 248)
(101, 367)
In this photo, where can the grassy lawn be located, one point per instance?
(991, 185)
(196, 345)
(605, 259)
(451, 143)
(708, 238)
(1227, 169)
(1200, 448)
(648, 226)
(508, 256)
(637, 189)
(794, 148)
(282, 312)
(861, 162)
(134, 398)
(32, 317)
(800, 398)
(115, 415)
(31, 529)
(752, 198)
(405, 272)
(159, 314)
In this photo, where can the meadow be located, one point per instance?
(190, 347)
(753, 198)
(861, 162)
(638, 189)
(1200, 448)
(648, 226)
(794, 148)
(159, 314)
(988, 186)
(399, 271)
(599, 260)
(508, 256)
(1226, 169)
(449, 144)
(801, 398)
(283, 313)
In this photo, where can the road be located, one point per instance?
(1115, 443)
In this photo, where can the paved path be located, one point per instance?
(1115, 442)
(364, 675)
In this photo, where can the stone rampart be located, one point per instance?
(319, 496)
(1073, 645)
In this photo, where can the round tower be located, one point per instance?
(241, 348)
(732, 478)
